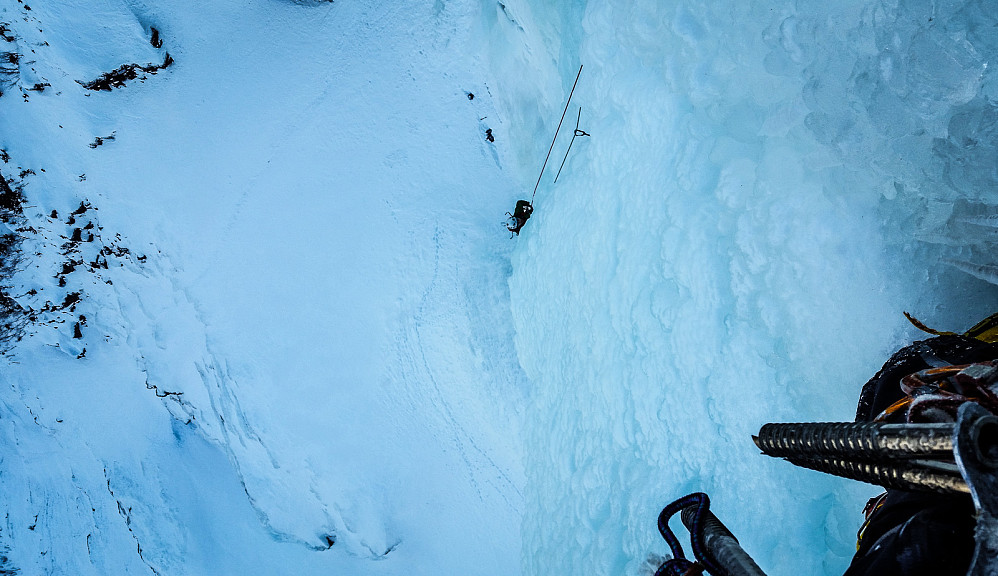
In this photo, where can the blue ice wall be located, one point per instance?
(767, 187)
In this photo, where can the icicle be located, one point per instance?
(990, 221)
(986, 272)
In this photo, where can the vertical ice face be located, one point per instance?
(766, 189)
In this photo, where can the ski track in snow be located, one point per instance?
(471, 453)
(187, 364)
(288, 356)
(292, 130)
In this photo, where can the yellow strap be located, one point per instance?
(902, 403)
(986, 330)
(872, 506)
(918, 324)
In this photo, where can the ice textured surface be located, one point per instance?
(279, 328)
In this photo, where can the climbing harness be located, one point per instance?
(716, 550)
(574, 135)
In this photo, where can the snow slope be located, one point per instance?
(314, 291)
(308, 346)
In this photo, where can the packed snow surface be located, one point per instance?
(278, 328)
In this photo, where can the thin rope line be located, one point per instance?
(556, 134)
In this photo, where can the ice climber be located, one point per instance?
(519, 216)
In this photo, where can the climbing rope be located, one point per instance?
(574, 136)
(555, 135)
(934, 391)
(678, 565)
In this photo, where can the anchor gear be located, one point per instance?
(574, 135)
(553, 140)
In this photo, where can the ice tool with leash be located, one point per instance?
(716, 550)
